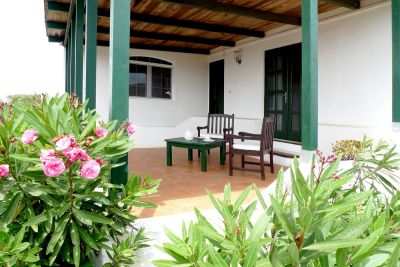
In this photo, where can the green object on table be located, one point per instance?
(197, 144)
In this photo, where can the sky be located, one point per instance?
(28, 62)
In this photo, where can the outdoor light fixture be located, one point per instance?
(238, 56)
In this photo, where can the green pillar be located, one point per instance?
(119, 73)
(309, 76)
(69, 46)
(91, 51)
(66, 69)
(71, 42)
(396, 63)
(79, 47)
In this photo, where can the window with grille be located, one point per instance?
(150, 77)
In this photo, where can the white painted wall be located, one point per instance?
(354, 74)
(189, 89)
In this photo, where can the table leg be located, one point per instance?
(169, 155)
(190, 154)
(203, 160)
(222, 156)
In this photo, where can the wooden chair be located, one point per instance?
(264, 145)
(218, 126)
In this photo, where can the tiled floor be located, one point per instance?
(183, 184)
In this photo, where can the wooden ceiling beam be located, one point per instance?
(237, 10)
(154, 35)
(163, 48)
(352, 4)
(174, 22)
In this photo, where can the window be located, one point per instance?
(150, 77)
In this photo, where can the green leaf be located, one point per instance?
(394, 257)
(216, 257)
(25, 158)
(353, 231)
(86, 238)
(282, 218)
(57, 234)
(294, 253)
(242, 197)
(251, 255)
(333, 245)
(12, 208)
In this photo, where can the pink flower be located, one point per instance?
(29, 136)
(4, 170)
(131, 128)
(90, 169)
(54, 167)
(46, 155)
(65, 142)
(100, 132)
(75, 153)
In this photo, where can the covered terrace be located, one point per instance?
(194, 27)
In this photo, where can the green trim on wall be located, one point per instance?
(79, 48)
(396, 60)
(309, 85)
(91, 52)
(119, 73)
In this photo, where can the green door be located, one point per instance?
(216, 87)
(283, 90)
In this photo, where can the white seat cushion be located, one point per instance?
(216, 136)
(253, 146)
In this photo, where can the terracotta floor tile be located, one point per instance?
(183, 185)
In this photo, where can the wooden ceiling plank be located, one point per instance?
(237, 10)
(102, 12)
(162, 48)
(352, 4)
(154, 35)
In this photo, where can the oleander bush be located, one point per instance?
(324, 218)
(346, 149)
(57, 204)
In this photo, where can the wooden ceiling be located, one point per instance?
(193, 26)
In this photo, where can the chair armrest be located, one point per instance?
(199, 128)
(242, 137)
(225, 130)
(249, 134)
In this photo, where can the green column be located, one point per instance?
(69, 47)
(90, 52)
(309, 76)
(119, 72)
(66, 69)
(396, 62)
(79, 47)
(71, 42)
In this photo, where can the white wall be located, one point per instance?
(190, 91)
(354, 74)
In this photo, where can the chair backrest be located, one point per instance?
(267, 133)
(216, 123)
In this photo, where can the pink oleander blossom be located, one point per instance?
(54, 167)
(100, 132)
(46, 155)
(65, 142)
(131, 128)
(90, 169)
(4, 170)
(75, 153)
(29, 137)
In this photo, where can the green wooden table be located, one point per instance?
(197, 144)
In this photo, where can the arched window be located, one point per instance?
(150, 77)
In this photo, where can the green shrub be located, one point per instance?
(346, 149)
(57, 205)
(315, 220)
